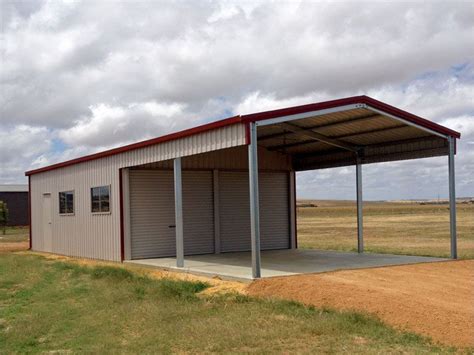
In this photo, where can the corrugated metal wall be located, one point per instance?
(98, 235)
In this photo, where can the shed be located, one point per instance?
(223, 187)
(16, 198)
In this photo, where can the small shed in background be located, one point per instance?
(16, 198)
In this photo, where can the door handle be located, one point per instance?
(172, 226)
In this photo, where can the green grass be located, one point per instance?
(14, 234)
(395, 228)
(48, 305)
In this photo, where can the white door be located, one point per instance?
(235, 211)
(47, 223)
(152, 213)
(198, 212)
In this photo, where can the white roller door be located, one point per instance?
(152, 213)
(235, 214)
(274, 212)
(234, 211)
(198, 212)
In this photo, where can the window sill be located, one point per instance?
(100, 213)
(66, 214)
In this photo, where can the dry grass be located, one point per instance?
(59, 306)
(398, 228)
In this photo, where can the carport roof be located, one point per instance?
(324, 134)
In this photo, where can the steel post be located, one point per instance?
(254, 202)
(178, 208)
(360, 227)
(452, 198)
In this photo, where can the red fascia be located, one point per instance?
(169, 137)
(29, 211)
(260, 117)
(122, 231)
(247, 133)
(351, 101)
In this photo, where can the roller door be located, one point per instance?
(235, 211)
(152, 213)
(198, 212)
(274, 212)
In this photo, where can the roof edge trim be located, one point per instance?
(260, 116)
(169, 137)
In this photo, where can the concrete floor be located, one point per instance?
(280, 262)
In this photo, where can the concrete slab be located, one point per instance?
(280, 262)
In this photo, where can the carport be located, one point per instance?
(352, 131)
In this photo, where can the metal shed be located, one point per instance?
(227, 186)
(16, 198)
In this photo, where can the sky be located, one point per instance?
(79, 77)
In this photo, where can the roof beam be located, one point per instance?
(350, 135)
(326, 125)
(318, 136)
(433, 142)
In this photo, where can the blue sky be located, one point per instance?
(80, 77)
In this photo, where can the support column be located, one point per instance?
(178, 208)
(254, 202)
(452, 199)
(360, 228)
(217, 223)
(292, 209)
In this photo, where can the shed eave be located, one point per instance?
(338, 105)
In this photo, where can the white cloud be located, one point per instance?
(19, 146)
(95, 75)
(107, 124)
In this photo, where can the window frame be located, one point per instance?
(100, 212)
(73, 193)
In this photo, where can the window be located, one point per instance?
(66, 202)
(100, 199)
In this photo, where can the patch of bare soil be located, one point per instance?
(435, 299)
(14, 246)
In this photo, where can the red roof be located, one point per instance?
(259, 117)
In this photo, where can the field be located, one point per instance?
(61, 306)
(58, 304)
(397, 228)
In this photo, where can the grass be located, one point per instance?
(48, 305)
(14, 234)
(396, 228)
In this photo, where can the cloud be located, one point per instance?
(108, 125)
(89, 76)
(20, 146)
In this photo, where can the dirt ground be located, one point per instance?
(435, 299)
(13, 246)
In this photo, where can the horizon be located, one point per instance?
(93, 81)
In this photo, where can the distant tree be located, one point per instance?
(3, 216)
